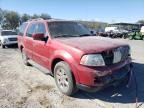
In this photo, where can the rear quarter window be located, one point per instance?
(22, 29)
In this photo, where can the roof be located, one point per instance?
(134, 24)
(48, 20)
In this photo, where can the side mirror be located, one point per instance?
(38, 36)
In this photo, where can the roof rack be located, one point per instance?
(36, 19)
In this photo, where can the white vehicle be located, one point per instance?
(142, 30)
(115, 30)
(111, 29)
(7, 37)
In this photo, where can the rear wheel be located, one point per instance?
(25, 58)
(64, 78)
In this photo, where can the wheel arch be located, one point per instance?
(62, 58)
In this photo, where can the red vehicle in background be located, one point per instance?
(75, 58)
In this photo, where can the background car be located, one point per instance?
(142, 30)
(7, 38)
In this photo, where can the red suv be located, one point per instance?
(76, 59)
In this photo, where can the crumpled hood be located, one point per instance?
(92, 44)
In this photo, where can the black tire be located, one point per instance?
(124, 36)
(142, 37)
(25, 58)
(131, 37)
(64, 78)
(2, 46)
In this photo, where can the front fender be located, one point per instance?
(68, 58)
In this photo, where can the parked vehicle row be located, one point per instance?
(76, 59)
(114, 32)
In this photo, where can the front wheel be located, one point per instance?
(64, 78)
(2, 46)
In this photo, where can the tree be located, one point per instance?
(94, 24)
(45, 16)
(35, 16)
(1, 16)
(11, 20)
(141, 21)
(25, 17)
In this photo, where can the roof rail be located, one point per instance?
(36, 19)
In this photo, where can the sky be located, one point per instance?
(110, 11)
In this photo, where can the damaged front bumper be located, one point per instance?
(113, 79)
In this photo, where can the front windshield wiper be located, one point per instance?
(84, 35)
(66, 35)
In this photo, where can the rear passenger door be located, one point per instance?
(39, 46)
(28, 40)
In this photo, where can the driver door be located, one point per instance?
(40, 48)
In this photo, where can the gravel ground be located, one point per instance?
(27, 87)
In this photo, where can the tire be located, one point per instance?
(142, 37)
(25, 58)
(2, 46)
(131, 37)
(64, 78)
(124, 36)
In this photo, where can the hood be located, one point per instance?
(92, 44)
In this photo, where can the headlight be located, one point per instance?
(92, 60)
(5, 40)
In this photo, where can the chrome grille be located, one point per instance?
(12, 39)
(108, 57)
(116, 55)
(125, 53)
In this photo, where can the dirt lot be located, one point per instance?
(27, 87)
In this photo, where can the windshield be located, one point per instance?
(6, 33)
(67, 29)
